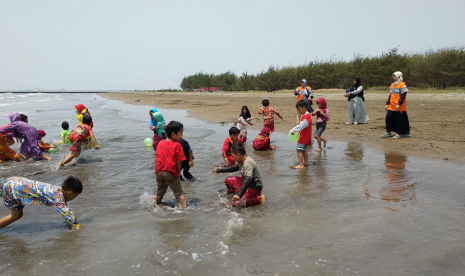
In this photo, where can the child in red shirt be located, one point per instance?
(268, 115)
(262, 141)
(168, 165)
(305, 129)
(77, 137)
(228, 142)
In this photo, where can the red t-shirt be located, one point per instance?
(306, 134)
(168, 153)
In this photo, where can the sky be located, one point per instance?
(142, 44)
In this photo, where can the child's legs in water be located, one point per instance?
(233, 183)
(318, 139)
(72, 154)
(165, 180)
(250, 198)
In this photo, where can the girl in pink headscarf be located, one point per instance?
(322, 116)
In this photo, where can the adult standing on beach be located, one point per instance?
(396, 109)
(304, 93)
(357, 109)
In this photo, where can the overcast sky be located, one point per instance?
(137, 44)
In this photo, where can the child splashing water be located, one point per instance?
(42, 145)
(169, 157)
(18, 192)
(244, 119)
(247, 188)
(22, 130)
(80, 134)
(322, 116)
(81, 111)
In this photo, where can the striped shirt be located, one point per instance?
(268, 114)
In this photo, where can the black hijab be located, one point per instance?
(354, 87)
(245, 115)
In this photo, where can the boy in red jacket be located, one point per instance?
(169, 156)
(228, 142)
(305, 129)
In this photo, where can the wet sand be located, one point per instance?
(437, 119)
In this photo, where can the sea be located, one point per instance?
(355, 210)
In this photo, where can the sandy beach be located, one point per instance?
(437, 119)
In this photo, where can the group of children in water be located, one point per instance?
(17, 192)
(173, 156)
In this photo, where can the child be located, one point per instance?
(228, 142)
(22, 130)
(81, 111)
(244, 119)
(77, 137)
(247, 188)
(17, 192)
(6, 153)
(262, 141)
(305, 128)
(64, 134)
(189, 162)
(268, 115)
(42, 145)
(322, 116)
(157, 125)
(168, 164)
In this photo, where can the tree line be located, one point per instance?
(443, 68)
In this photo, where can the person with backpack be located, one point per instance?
(304, 93)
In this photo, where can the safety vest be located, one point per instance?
(300, 97)
(396, 91)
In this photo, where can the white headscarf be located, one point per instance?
(400, 77)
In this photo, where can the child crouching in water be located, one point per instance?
(248, 188)
(42, 145)
(262, 141)
(228, 142)
(17, 192)
(322, 116)
(80, 134)
(168, 165)
(305, 129)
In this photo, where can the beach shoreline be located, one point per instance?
(437, 118)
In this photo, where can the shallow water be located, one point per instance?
(354, 211)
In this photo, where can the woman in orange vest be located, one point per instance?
(396, 109)
(304, 91)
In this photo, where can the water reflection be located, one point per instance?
(354, 151)
(398, 188)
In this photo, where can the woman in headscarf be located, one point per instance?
(396, 109)
(244, 119)
(357, 109)
(304, 93)
(22, 130)
(157, 125)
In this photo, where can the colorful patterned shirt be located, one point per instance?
(18, 192)
(268, 114)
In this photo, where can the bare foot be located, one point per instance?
(273, 148)
(262, 199)
(318, 150)
(60, 165)
(324, 142)
(298, 166)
